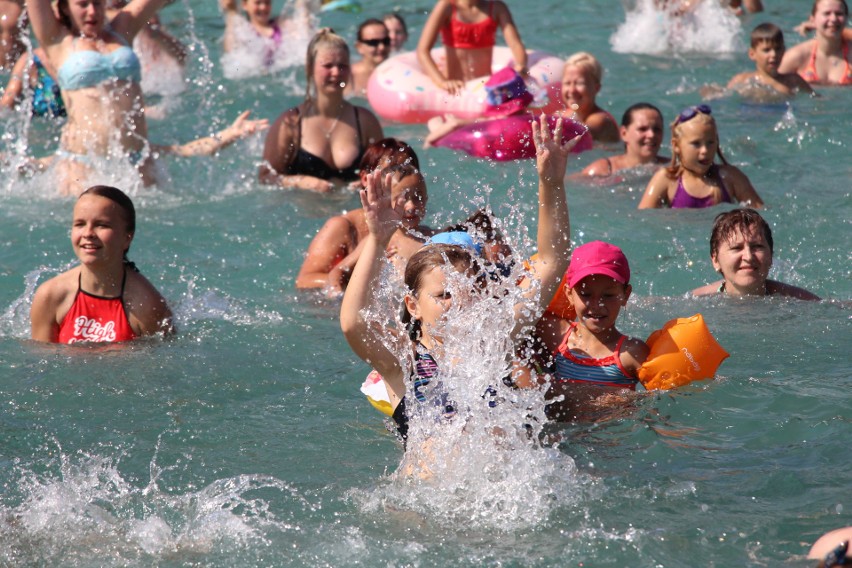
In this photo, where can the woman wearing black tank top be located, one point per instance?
(318, 145)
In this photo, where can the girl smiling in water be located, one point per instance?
(255, 44)
(105, 298)
(694, 180)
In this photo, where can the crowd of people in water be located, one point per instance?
(87, 61)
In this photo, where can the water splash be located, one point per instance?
(87, 512)
(254, 55)
(485, 466)
(710, 28)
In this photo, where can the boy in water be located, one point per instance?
(767, 49)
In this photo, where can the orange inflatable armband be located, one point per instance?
(560, 306)
(682, 351)
(377, 393)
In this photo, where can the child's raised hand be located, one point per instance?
(551, 152)
(381, 218)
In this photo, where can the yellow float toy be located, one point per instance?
(682, 351)
(377, 393)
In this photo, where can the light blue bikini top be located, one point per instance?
(87, 68)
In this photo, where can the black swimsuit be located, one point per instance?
(308, 164)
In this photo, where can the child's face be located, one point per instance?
(767, 56)
(408, 197)
(644, 135)
(697, 145)
(744, 261)
(258, 10)
(579, 87)
(99, 232)
(598, 299)
(439, 288)
(396, 33)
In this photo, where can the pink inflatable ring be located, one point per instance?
(509, 138)
(400, 91)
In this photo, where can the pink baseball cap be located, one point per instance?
(597, 257)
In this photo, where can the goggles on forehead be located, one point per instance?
(689, 113)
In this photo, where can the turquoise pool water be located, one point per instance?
(245, 441)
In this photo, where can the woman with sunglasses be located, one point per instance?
(693, 179)
(374, 45)
(318, 145)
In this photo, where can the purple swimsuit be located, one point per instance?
(683, 200)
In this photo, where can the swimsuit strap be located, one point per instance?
(616, 354)
(276, 32)
(120, 294)
(123, 281)
(299, 128)
(717, 173)
(358, 127)
(609, 163)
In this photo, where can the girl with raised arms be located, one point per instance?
(99, 75)
(432, 279)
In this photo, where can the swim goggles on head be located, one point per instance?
(376, 42)
(690, 112)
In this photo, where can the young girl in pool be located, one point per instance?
(337, 247)
(590, 356)
(257, 41)
(432, 279)
(694, 180)
(397, 30)
(105, 298)
(468, 30)
(741, 251)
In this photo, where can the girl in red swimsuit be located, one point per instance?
(468, 30)
(104, 299)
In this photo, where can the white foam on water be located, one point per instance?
(710, 28)
(254, 55)
(85, 511)
(484, 467)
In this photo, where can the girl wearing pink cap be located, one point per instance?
(593, 357)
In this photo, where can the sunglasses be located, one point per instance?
(690, 112)
(376, 42)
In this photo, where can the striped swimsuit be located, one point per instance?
(605, 372)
